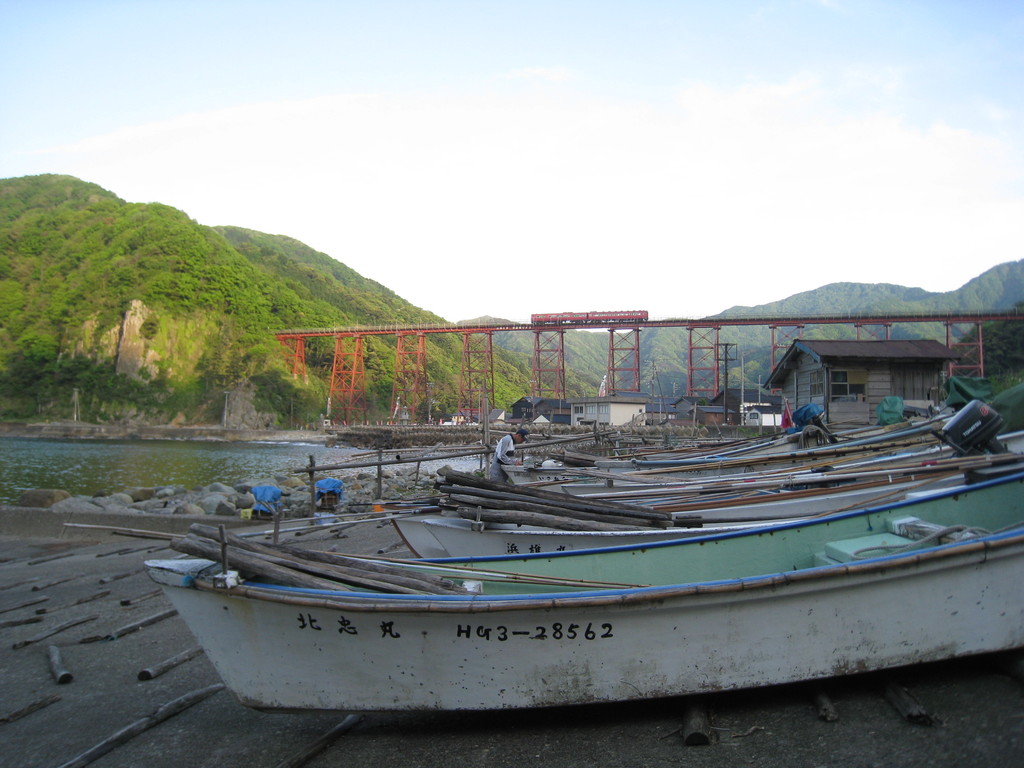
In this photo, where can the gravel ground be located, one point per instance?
(977, 708)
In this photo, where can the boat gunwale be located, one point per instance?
(768, 528)
(980, 547)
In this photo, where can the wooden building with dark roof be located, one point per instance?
(850, 378)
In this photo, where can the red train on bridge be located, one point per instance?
(570, 318)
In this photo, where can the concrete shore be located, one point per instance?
(58, 430)
(977, 708)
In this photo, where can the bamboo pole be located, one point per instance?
(525, 517)
(293, 572)
(339, 566)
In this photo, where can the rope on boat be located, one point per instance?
(935, 537)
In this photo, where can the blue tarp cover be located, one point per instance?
(267, 497)
(803, 416)
(328, 485)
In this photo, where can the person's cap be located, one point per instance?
(523, 432)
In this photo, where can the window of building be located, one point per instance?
(848, 386)
(816, 383)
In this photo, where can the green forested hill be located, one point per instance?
(143, 315)
(153, 317)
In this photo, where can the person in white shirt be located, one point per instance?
(505, 454)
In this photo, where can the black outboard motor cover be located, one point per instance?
(974, 429)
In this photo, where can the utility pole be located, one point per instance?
(725, 381)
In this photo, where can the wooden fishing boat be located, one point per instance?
(469, 532)
(440, 536)
(928, 578)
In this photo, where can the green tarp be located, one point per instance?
(1010, 405)
(890, 410)
(960, 390)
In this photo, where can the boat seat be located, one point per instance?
(845, 551)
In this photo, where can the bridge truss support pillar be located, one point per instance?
(409, 390)
(347, 394)
(476, 383)
(702, 365)
(547, 373)
(295, 354)
(782, 335)
(873, 331)
(623, 360)
(966, 340)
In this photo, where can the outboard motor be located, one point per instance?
(974, 430)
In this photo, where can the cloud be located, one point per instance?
(551, 74)
(511, 203)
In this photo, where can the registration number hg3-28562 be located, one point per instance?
(556, 631)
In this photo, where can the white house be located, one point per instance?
(610, 411)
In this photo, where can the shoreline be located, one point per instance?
(81, 430)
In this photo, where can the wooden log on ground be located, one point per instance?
(57, 669)
(1012, 664)
(300, 759)
(826, 710)
(135, 626)
(117, 577)
(167, 664)
(46, 701)
(19, 622)
(40, 587)
(24, 604)
(53, 631)
(126, 734)
(140, 598)
(696, 729)
(80, 601)
(908, 706)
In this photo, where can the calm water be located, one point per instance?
(89, 466)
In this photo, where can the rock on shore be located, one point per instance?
(237, 500)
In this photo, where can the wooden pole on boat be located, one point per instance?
(312, 487)
(380, 479)
(224, 550)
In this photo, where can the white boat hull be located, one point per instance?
(296, 650)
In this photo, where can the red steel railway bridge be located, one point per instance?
(347, 393)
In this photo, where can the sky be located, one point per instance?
(505, 158)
